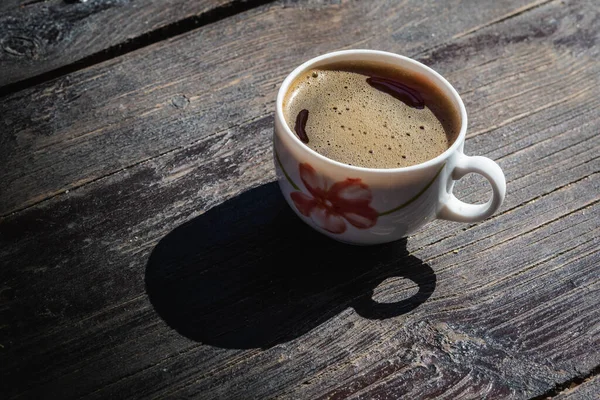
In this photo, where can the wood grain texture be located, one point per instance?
(587, 390)
(103, 119)
(40, 36)
(11, 5)
(8, 5)
(108, 293)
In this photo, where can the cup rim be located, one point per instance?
(306, 65)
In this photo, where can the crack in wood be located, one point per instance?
(528, 268)
(529, 113)
(161, 34)
(451, 266)
(546, 141)
(514, 14)
(33, 2)
(556, 390)
(506, 17)
(495, 217)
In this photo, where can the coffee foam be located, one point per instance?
(354, 123)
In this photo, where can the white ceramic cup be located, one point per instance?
(368, 205)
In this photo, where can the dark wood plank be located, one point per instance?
(587, 390)
(8, 5)
(132, 329)
(40, 36)
(513, 312)
(113, 116)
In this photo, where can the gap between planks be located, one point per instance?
(570, 384)
(161, 34)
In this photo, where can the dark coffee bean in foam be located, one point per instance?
(371, 115)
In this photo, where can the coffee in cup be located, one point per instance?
(371, 115)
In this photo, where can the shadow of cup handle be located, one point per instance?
(369, 308)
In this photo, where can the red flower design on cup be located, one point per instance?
(331, 207)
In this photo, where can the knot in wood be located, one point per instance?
(180, 101)
(20, 46)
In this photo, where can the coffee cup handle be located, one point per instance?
(454, 209)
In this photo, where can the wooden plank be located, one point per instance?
(513, 313)
(40, 36)
(420, 355)
(8, 5)
(589, 389)
(133, 320)
(112, 116)
(132, 329)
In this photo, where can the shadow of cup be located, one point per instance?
(249, 274)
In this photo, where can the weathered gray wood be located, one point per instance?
(39, 36)
(514, 311)
(10, 5)
(113, 116)
(587, 390)
(467, 297)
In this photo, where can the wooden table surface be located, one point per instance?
(146, 252)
